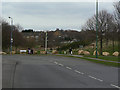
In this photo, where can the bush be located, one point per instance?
(74, 45)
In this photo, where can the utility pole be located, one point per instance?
(46, 37)
(96, 28)
(11, 40)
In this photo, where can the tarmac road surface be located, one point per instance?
(48, 71)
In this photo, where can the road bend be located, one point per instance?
(48, 71)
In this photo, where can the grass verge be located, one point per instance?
(96, 61)
(109, 58)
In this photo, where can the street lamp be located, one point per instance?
(11, 40)
(46, 39)
(96, 28)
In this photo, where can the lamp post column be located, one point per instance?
(96, 28)
(11, 40)
(46, 39)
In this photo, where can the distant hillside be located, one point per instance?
(59, 38)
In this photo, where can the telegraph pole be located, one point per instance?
(96, 28)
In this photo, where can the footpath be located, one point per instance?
(90, 58)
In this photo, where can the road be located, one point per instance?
(48, 71)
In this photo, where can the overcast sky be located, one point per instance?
(52, 15)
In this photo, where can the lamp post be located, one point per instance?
(46, 37)
(11, 40)
(96, 28)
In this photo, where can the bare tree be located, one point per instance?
(5, 35)
(19, 27)
(117, 12)
(18, 40)
(105, 19)
(117, 18)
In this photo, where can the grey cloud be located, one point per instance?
(50, 15)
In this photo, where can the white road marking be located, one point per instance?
(114, 86)
(100, 80)
(61, 64)
(78, 71)
(68, 68)
(95, 78)
(88, 75)
(92, 77)
(55, 62)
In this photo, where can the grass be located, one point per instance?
(102, 62)
(110, 58)
(95, 61)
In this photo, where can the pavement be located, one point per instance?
(91, 58)
(48, 71)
